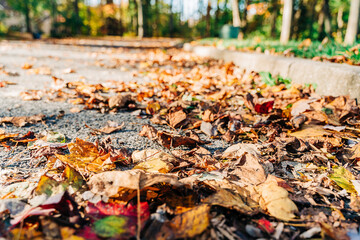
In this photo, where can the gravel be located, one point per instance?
(14, 54)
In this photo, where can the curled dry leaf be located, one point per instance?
(176, 118)
(23, 120)
(85, 158)
(169, 140)
(119, 100)
(208, 116)
(153, 160)
(246, 169)
(208, 129)
(233, 200)
(109, 128)
(276, 201)
(32, 95)
(108, 183)
(238, 150)
(186, 225)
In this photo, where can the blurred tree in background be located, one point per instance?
(290, 19)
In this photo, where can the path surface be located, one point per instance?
(91, 64)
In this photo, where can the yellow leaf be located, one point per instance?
(276, 201)
(152, 160)
(85, 158)
(186, 225)
(342, 178)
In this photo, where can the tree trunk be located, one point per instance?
(171, 19)
(295, 25)
(77, 16)
(157, 21)
(243, 21)
(340, 22)
(53, 18)
(140, 19)
(217, 16)
(27, 17)
(353, 23)
(311, 16)
(274, 14)
(324, 21)
(208, 19)
(286, 21)
(121, 18)
(235, 13)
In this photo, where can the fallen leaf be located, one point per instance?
(232, 200)
(208, 129)
(176, 118)
(85, 158)
(343, 178)
(238, 150)
(276, 201)
(23, 120)
(27, 66)
(264, 107)
(208, 116)
(186, 225)
(152, 160)
(109, 128)
(112, 227)
(108, 183)
(119, 100)
(169, 140)
(69, 70)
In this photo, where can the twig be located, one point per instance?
(138, 213)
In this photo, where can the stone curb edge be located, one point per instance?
(331, 78)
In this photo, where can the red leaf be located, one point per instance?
(265, 107)
(266, 226)
(102, 209)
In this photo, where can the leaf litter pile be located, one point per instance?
(291, 171)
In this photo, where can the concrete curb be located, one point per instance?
(331, 78)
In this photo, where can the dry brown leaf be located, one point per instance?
(119, 100)
(232, 200)
(186, 225)
(153, 160)
(23, 120)
(169, 140)
(208, 116)
(276, 201)
(238, 150)
(109, 128)
(109, 183)
(176, 118)
(85, 158)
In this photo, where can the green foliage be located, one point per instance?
(316, 48)
(112, 226)
(271, 81)
(163, 19)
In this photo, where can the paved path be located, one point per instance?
(86, 62)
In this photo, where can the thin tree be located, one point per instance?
(208, 19)
(157, 20)
(324, 21)
(27, 16)
(353, 23)
(286, 21)
(77, 16)
(235, 13)
(171, 25)
(140, 19)
(243, 20)
(24, 7)
(274, 14)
